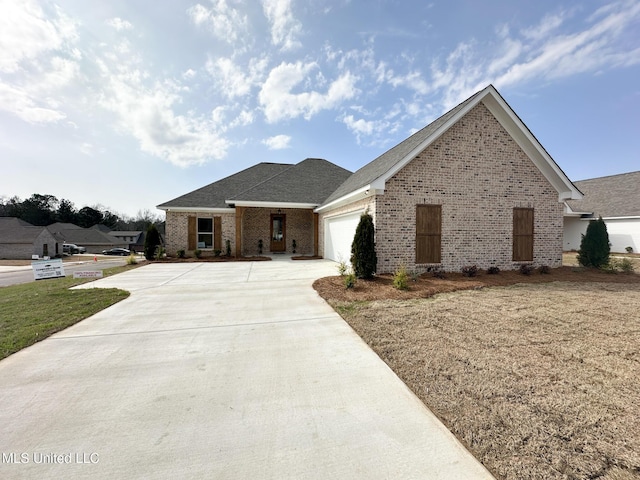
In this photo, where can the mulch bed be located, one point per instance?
(381, 286)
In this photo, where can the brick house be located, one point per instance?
(472, 187)
(21, 240)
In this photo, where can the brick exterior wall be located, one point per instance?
(176, 230)
(478, 173)
(363, 204)
(256, 225)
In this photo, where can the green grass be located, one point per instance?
(30, 312)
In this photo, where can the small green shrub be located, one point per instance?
(350, 280)
(526, 269)
(294, 245)
(217, 252)
(626, 266)
(132, 260)
(342, 268)
(401, 279)
(470, 270)
(414, 275)
(493, 270)
(629, 249)
(197, 252)
(437, 273)
(182, 253)
(227, 244)
(544, 269)
(260, 246)
(160, 253)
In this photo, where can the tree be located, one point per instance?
(39, 209)
(594, 247)
(151, 242)
(66, 212)
(88, 217)
(363, 248)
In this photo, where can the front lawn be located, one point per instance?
(30, 312)
(538, 380)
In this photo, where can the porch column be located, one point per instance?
(239, 213)
(316, 233)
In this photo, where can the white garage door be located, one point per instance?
(338, 236)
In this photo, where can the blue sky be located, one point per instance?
(129, 103)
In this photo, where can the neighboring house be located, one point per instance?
(616, 199)
(20, 240)
(93, 239)
(474, 187)
(134, 240)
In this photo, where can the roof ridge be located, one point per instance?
(266, 179)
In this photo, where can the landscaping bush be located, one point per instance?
(160, 253)
(526, 269)
(151, 242)
(594, 247)
(217, 252)
(182, 253)
(227, 247)
(493, 270)
(401, 279)
(629, 249)
(470, 271)
(350, 280)
(626, 266)
(438, 274)
(132, 260)
(363, 248)
(197, 252)
(342, 268)
(544, 269)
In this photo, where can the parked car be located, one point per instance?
(117, 251)
(71, 248)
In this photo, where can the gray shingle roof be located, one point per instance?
(390, 158)
(612, 196)
(14, 230)
(81, 236)
(310, 181)
(215, 194)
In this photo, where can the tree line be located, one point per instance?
(43, 210)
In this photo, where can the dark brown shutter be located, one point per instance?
(217, 233)
(192, 234)
(428, 233)
(523, 234)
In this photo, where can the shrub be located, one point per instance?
(629, 249)
(493, 271)
(414, 275)
(544, 269)
(197, 252)
(159, 255)
(401, 279)
(132, 260)
(363, 248)
(438, 274)
(342, 268)
(227, 244)
(470, 271)
(217, 252)
(294, 245)
(350, 280)
(626, 266)
(526, 269)
(151, 242)
(260, 245)
(182, 253)
(594, 247)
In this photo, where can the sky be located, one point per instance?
(127, 104)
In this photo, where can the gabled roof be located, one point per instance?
(14, 230)
(305, 184)
(374, 175)
(81, 236)
(309, 182)
(611, 196)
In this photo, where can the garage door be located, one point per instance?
(338, 236)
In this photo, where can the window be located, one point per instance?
(428, 233)
(205, 233)
(523, 234)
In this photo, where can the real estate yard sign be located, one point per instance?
(47, 269)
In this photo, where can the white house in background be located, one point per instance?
(616, 199)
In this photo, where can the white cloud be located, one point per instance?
(280, 103)
(222, 20)
(279, 142)
(119, 24)
(189, 74)
(231, 79)
(284, 27)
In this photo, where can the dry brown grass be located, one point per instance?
(539, 380)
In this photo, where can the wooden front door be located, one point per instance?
(278, 232)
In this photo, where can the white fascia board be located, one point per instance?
(359, 194)
(530, 145)
(241, 203)
(197, 209)
(621, 218)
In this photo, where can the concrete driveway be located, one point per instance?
(217, 370)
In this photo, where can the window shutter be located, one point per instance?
(523, 234)
(428, 233)
(217, 233)
(191, 235)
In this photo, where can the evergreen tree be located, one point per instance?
(363, 248)
(594, 247)
(151, 242)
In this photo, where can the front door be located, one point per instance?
(278, 238)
